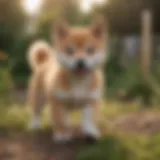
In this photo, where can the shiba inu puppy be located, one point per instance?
(69, 75)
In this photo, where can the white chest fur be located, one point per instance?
(79, 90)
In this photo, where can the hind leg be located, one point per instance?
(36, 101)
(36, 115)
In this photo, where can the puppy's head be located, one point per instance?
(81, 49)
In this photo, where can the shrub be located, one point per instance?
(17, 64)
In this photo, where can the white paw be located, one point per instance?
(62, 137)
(35, 124)
(91, 130)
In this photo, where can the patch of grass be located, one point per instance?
(5, 84)
(109, 148)
(123, 147)
(5, 79)
(114, 108)
(13, 118)
(17, 116)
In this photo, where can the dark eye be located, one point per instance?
(70, 50)
(90, 50)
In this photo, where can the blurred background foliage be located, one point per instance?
(123, 77)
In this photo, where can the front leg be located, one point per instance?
(59, 120)
(90, 120)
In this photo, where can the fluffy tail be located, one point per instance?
(39, 53)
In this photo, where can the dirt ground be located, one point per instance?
(37, 146)
(147, 123)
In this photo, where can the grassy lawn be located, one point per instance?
(123, 147)
(16, 116)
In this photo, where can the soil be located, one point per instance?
(147, 123)
(37, 146)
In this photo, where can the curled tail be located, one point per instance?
(39, 53)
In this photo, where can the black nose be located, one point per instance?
(80, 64)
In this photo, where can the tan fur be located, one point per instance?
(49, 77)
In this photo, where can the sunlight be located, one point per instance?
(32, 6)
(86, 5)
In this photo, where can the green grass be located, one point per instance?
(17, 116)
(5, 79)
(123, 147)
(5, 84)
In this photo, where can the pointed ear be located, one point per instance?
(61, 29)
(98, 27)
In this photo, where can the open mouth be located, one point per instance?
(81, 68)
(81, 71)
